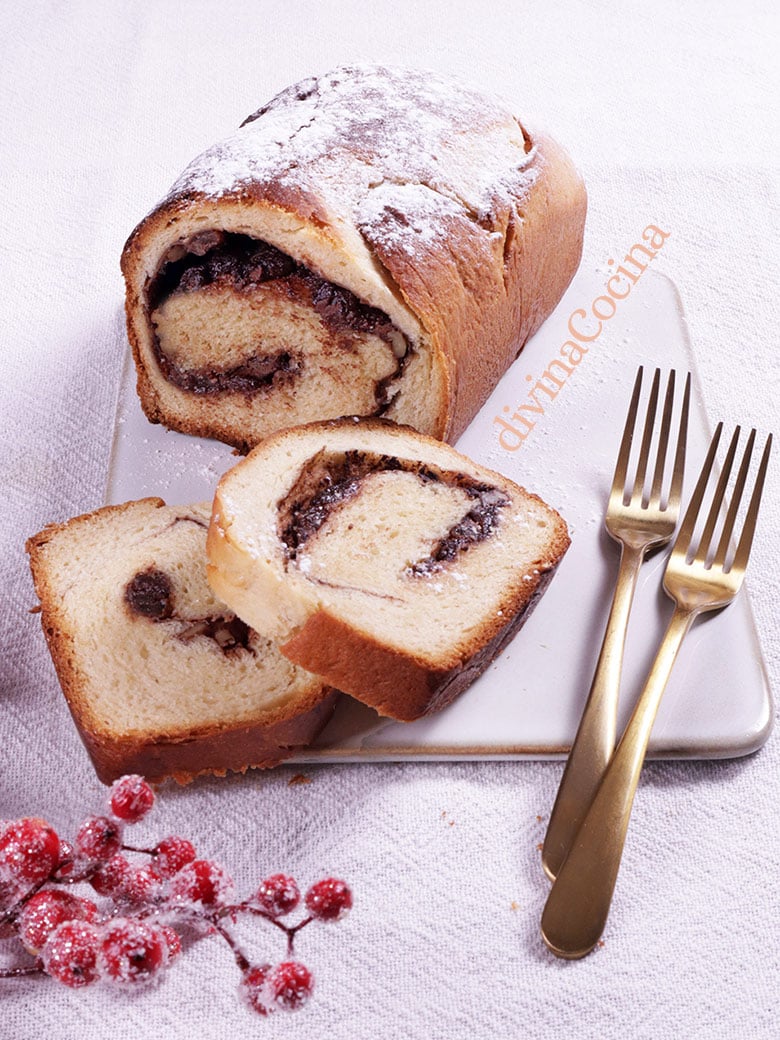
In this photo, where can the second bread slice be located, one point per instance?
(160, 677)
(380, 559)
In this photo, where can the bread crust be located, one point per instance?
(468, 279)
(478, 309)
(213, 751)
(397, 686)
(184, 754)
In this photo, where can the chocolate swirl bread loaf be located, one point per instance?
(380, 559)
(372, 242)
(161, 677)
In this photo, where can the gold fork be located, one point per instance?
(639, 521)
(697, 580)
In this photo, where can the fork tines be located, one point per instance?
(634, 485)
(722, 517)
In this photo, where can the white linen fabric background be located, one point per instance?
(671, 111)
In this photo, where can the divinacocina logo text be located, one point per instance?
(585, 327)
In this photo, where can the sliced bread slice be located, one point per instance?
(380, 559)
(160, 676)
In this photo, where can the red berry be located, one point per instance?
(29, 851)
(329, 899)
(290, 985)
(45, 910)
(71, 953)
(170, 855)
(201, 881)
(278, 895)
(140, 885)
(99, 837)
(110, 876)
(131, 798)
(254, 990)
(132, 951)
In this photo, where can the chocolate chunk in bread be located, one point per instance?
(150, 593)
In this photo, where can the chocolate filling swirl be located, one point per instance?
(331, 480)
(242, 263)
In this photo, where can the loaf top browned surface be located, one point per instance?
(376, 134)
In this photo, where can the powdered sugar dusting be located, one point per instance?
(368, 140)
(424, 211)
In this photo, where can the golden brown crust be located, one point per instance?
(215, 751)
(399, 686)
(476, 288)
(273, 736)
(480, 310)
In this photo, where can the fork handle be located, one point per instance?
(595, 740)
(579, 901)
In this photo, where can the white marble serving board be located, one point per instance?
(527, 704)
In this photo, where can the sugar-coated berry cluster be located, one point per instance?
(149, 899)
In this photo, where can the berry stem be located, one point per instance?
(15, 973)
(214, 919)
(301, 924)
(243, 962)
(247, 908)
(72, 879)
(57, 876)
(135, 848)
(13, 911)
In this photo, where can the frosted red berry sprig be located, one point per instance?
(140, 902)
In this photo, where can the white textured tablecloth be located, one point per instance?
(671, 111)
